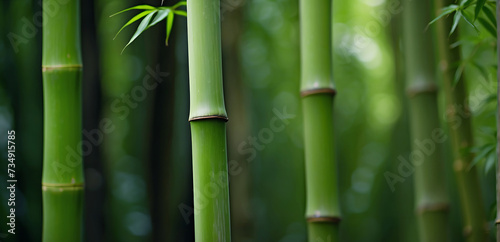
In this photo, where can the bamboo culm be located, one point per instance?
(317, 90)
(497, 220)
(208, 122)
(431, 201)
(475, 227)
(62, 179)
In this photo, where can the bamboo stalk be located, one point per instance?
(208, 122)
(317, 90)
(62, 179)
(431, 199)
(497, 220)
(475, 227)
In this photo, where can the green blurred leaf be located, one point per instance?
(170, 21)
(456, 19)
(144, 7)
(458, 73)
(490, 162)
(490, 28)
(444, 11)
(479, 6)
(135, 18)
(490, 98)
(469, 21)
(481, 69)
(142, 26)
(162, 14)
(180, 12)
(181, 3)
(483, 152)
(490, 15)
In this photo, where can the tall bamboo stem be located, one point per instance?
(208, 122)
(475, 228)
(431, 199)
(62, 180)
(317, 90)
(497, 222)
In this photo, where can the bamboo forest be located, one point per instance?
(249, 120)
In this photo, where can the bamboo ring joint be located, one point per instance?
(318, 90)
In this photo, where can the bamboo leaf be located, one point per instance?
(490, 15)
(490, 28)
(144, 7)
(483, 152)
(481, 69)
(456, 19)
(445, 11)
(479, 6)
(142, 26)
(458, 73)
(469, 22)
(180, 12)
(490, 162)
(466, 3)
(490, 98)
(170, 21)
(181, 3)
(135, 18)
(162, 14)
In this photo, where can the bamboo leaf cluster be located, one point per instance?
(488, 21)
(159, 14)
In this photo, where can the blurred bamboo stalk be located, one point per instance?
(497, 222)
(317, 90)
(62, 181)
(431, 199)
(475, 227)
(208, 122)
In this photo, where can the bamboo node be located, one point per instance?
(331, 91)
(209, 117)
(467, 231)
(60, 67)
(497, 221)
(433, 207)
(420, 88)
(323, 219)
(61, 185)
(458, 165)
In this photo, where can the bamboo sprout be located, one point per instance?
(431, 199)
(317, 90)
(62, 180)
(475, 227)
(208, 122)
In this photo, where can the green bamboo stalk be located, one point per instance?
(497, 220)
(475, 227)
(208, 118)
(62, 179)
(317, 90)
(431, 199)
